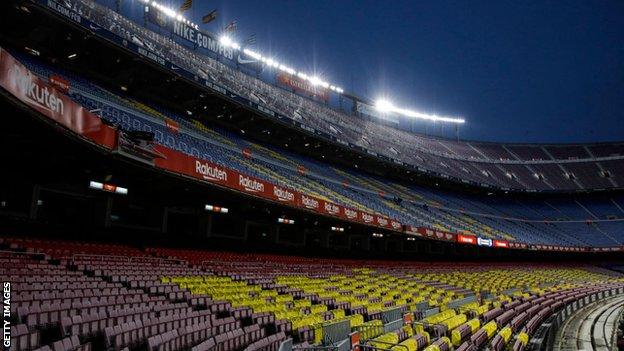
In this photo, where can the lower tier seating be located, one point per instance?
(81, 296)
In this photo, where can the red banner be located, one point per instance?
(367, 218)
(434, 234)
(466, 239)
(302, 86)
(396, 225)
(50, 102)
(301, 170)
(410, 229)
(351, 214)
(213, 173)
(331, 209)
(285, 195)
(246, 153)
(59, 83)
(501, 243)
(172, 126)
(382, 221)
(207, 171)
(252, 185)
(310, 203)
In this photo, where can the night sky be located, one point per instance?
(521, 71)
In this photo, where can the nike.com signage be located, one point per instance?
(203, 41)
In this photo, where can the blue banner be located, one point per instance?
(204, 42)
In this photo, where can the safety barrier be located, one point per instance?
(386, 347)
(544, 338)
(336, 332)
(393, 326)
(391, 315)
(460, 302)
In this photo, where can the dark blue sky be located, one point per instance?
(526, 71)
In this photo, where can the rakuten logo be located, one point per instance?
(34, 93)
(209, 172)
(382, 221)
(250, 185)
(367, 218)
(283, 194)
(351, 214)
(415, 230)
(331, 208)
(309, 202)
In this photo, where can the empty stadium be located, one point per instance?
(159, 192)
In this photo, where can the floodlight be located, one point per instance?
(386, 106)
(228, 42)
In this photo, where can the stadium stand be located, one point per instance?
(564, 222)
(81, 296)
(506, 166)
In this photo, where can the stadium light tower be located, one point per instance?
(385, 106)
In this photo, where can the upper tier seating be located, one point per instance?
(535, 222)
(484, 163)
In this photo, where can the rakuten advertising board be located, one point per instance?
(51, 102)
(203, 170)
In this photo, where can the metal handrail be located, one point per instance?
(392, 346)
(23, 253)
(127, 258)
